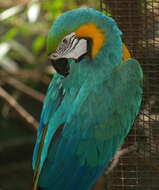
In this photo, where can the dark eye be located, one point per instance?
(64, 41)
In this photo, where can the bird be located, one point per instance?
(91, 103)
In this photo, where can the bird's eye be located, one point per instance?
(64, 41)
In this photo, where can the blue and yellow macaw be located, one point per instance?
(90, 105)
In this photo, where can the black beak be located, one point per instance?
(61, 66)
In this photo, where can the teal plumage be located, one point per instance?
(86, 114)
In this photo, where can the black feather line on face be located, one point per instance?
(89, 47)
(89, 50)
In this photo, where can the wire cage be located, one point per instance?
(139, 22)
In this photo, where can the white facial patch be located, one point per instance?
(78, 51)
(70, 47)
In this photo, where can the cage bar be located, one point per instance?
(139, 22)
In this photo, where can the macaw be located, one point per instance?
(91, 102)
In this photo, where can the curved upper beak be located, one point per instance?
(72, 49)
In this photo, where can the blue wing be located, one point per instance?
(51, 103)
(90, 125)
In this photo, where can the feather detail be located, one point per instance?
(91, 110)
(37, 166)
(95, 34)
(126, 53)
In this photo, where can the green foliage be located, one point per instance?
(26, 39)
(38, 44)
(55, 7)
(11, 33)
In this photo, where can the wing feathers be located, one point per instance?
(94, 129)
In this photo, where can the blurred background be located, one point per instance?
(25, 74)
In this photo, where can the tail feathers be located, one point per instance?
(76, 183)
(82, 178)
(69, 173)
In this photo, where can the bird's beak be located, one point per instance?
(61, 66)
(74, 49)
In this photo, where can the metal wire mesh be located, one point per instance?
(139, 22)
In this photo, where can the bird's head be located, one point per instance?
(83, 33)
